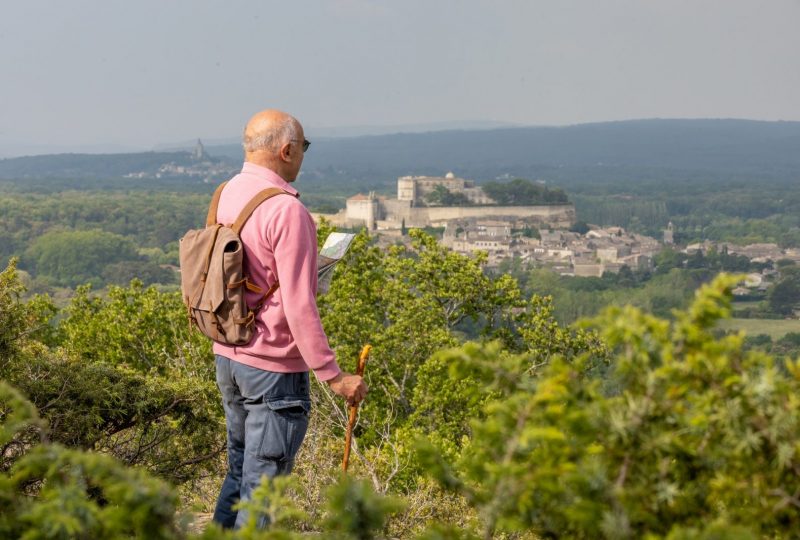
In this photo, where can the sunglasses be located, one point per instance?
(306, 144)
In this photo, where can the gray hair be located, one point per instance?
(283, 132)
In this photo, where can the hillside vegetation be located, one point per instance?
(625, 427)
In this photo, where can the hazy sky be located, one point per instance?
(138, 73)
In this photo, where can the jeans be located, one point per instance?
(266, 415)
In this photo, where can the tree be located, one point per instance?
(441, 196)
(49, 491)
(521, 192)
(149, 273)
(120, 376)
(580, 227)
(784, 296)
(74, 257)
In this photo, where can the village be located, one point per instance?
(537, 236)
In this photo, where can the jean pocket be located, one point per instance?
(290, 404)
(285, 429)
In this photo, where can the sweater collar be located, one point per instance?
(269, 176)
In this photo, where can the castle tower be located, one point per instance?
(199, 152)
(406, 188)
(669, 234)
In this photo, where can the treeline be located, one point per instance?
(667, 286)
(631, 426)
(517, 192)
(635, 214)
(522, 192)
(102, 237)
(740, 213)
(98, 237)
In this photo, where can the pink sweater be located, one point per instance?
(280, 244)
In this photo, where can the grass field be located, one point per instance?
(775, 329)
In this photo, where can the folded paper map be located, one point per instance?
(332, 251)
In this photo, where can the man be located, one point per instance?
(265, 384)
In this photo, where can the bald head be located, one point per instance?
(269, 130)
(274, 140)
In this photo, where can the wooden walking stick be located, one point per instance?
(362, 362)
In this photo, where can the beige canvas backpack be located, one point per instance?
(212, 277)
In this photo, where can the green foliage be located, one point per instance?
(788, 345)
(148, 272)
(660, 428)
(13, 315)
(74, 257)
(119, 376)
(54, 492)
(137, 327)
(685, 436)
(580, 227)
(272, 501)
(151, 221)
(19, 320)
(577, 297)
(172, 427)
(441, 196)
(784, 296)
(356, 512)
(781, 227)
(17, 414)
(521, 192)
(408, 302)
(646, 213)
(372, 303)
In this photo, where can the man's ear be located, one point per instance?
(286, 152)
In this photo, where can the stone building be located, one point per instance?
(669, 234)
(363, 209)
(415, 189)
(199, 153)
(408, 209)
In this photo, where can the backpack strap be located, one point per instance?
(211, 219)
(248, 210)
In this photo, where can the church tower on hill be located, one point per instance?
(199, 152)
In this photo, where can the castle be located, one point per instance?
(413, 207)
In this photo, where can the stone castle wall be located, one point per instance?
(393, 213)
(408, 210)
(558, 217)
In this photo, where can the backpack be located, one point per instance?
(213, 283)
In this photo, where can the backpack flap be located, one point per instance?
(200, 265)
(212, 259)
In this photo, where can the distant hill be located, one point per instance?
(760, 150)
(353, 131)
(89, 165)
(714, 150)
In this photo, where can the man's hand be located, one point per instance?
(349, 386)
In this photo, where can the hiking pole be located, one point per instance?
(362, 362)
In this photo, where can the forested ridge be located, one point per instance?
(84, 166)
(697, 151)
